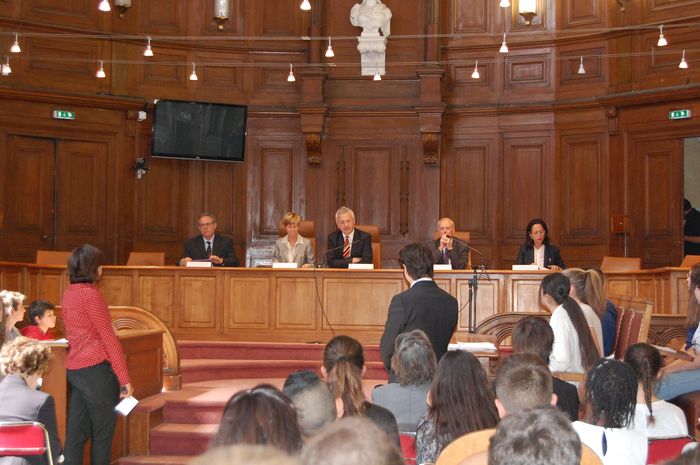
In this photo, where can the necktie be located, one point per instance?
(208, 249)
(445, 260)
(346, 247)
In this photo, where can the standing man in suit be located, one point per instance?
(446, 250)
(209, 246)
(424, 306)
(347, 244)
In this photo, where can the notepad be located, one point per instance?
(126, 405)
(285, 265)
(361, 266)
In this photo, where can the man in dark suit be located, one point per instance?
(347, 244)
(209, 246)
(447, 250)
(424, 306)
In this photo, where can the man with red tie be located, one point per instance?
(347, 244)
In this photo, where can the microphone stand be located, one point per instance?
(473, 287)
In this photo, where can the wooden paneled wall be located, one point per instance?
(530, 138)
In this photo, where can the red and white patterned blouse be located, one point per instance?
(89, 331)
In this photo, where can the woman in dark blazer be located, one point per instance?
(537, 250)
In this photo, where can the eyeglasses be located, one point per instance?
(206, 225)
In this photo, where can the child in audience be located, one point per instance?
(42, 319)
(12, 313)
(607, 312)
(653, 417)
(580, 279)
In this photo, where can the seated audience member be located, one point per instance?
(294, 248)
(42, 318)
(423, 306)
(574, 349)
(447, 250)
(209, 246)
(537, 250)
(595, 297)
(313, 400)
(262, 415)
(541, 436)
(653, 417)
(245, 454)
(351, 441)
(413, 363)
(343, 367)
(347, 244)
(533, 335)
(25, 361)
(611, 398)
(460, 401)
(12, 313)
(580, 280)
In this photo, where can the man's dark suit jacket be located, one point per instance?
(19, 403)
(526, 256)
(426, 307)
(459, 255)
(221, 247)
(361, 247)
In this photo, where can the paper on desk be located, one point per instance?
(473, 346)
(126, 405)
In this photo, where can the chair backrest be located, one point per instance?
(690, 260)
(24, 438)
(373, 230)
(588, 457)
(306, 229)
(146, 259)
(52, 257)
(620, 264)
(464, 446)
(462, 236)
(633, 320)
(408, 447)
(662, 449)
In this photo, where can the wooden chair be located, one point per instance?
(373, 230)
(24, 439)
(306, 229)
(633, 320)
(620, 264)
(52, 257)
(464, 446)
(462, 236)
(690, 260)
(146, 259)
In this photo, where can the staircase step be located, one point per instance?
(156, 460)
(260, 350)
(181, 439)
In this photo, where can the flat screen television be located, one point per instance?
(198, 130)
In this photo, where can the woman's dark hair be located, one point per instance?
(611, 394)
(418, 260)
(37, 309)
(693, 305)
(343, 359)
(557, 286)
(533, 335)
(461, 398)
(528, 240)
(413, 361)
(83, 264)
(645, 360)
(262, 415)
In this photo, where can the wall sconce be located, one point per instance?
(221, 10)
(122, 6)
(528, 10)
(141, 166)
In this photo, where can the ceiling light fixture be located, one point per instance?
(329, 51)
(581, 69)
(100, 74)
(305, 5)
(504, 4)
(683, 64)
(148, 52)
(104, 6)
(377, 76)
(504, 46)
(15, 46)
(193, 76)
(662, 39)
(290, 77)
(475, 73)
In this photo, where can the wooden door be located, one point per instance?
(29, 198)
(655, 193)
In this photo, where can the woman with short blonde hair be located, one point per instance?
(12, 313)
(293, 247)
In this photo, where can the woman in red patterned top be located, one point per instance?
(95, 366)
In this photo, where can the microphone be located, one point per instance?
(482, 267)
(335, 249)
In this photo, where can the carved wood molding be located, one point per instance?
(313, 123)
(431, 148)
(313, 148)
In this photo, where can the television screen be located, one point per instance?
(197, 130)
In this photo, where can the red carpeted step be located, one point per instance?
(260, 350)
(181, 439)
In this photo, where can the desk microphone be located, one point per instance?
(470, 248)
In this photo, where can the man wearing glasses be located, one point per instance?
(209, 246)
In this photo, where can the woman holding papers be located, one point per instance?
(537, 250)
(293, 248)
(95, 366)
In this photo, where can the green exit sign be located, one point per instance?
(63, 114)
(679, 114)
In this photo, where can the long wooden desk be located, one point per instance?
(301, 305)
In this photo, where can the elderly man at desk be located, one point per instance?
(347, 244)
(209, 246)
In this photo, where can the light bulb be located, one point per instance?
(305, 5)
(504, 46)
(193, 76)
(15, 47)
(662, 40)
(329, 50)
(475, 73)
(683, 64)
(6, 70)
(291, 77)
(100, 74)
(581, 69)
(104, 6)
(148, 52)
(377, 76)
(504, 4)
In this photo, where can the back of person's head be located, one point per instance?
(247, 419)
(343, 362)
(313, 400)
(37, 309)
(24, 356)
(461, 399)
(539, 436)
(10, 301)
(594, 292)
(611, 394)
(523, 382)
(533, 335)
(645, 360)
(577, 278)
(687, 205)
(84, 263)
(418, 260)
(693, 318)
(557, 285)
(351, 441)
(413, 361)
(245, 454)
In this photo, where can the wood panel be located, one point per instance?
(249, 303)
(71, 13)
(470, 15)
(118, 289)
(342, 303)
(575, 13)
(372, 186)
(276, 181)
(157, 294)
(198, 298)
(296, 303)
(164, 17)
